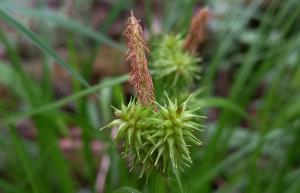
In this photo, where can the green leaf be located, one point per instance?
(6, 74)
(178, 180)
(9, 187)
(226, 163)
(59, 103)
(226, 104)
(45, 15)
(41, 44)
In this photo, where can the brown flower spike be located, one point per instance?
(196, 35)
(139, 76)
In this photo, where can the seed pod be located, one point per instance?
(173, 67)
(132, 121)
(156, 140)
(171, 134)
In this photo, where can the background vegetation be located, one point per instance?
(62, 67)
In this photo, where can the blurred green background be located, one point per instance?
(62, 66)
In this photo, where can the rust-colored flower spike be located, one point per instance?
(139, 76)
(196, 35)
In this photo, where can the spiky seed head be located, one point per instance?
(175, 68)
(171, 135)
(157, 140)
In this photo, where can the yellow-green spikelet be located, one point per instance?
(130, 123)
(172, 66)
(173, 133)
(156, 140)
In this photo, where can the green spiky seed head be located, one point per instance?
(156, 139)
(131, 121)
(173, 133)
(173, 66)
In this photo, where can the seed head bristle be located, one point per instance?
(196, 34)
(139, 76)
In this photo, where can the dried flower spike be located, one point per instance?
(197, 31)
(140, 77)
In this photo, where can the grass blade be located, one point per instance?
(40, 44)
(65, 100)
(228, 105)
(70, 24)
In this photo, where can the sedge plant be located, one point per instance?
(157, 136)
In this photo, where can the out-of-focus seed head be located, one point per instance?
(175, 68)
(197, 31)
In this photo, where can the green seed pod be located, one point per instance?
(132, 121)
(172, 66)
(156, 139)
(171, 136)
